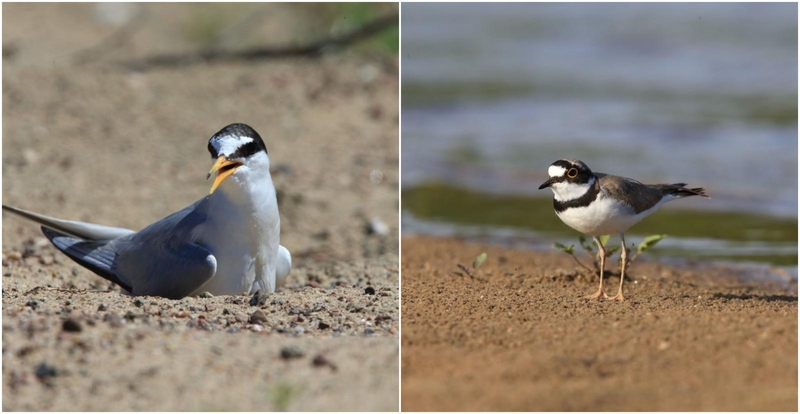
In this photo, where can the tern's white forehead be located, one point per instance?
(556, 171)
(228, 144)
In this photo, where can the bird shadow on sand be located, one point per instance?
(767, 298)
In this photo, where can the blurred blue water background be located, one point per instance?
(697, 93)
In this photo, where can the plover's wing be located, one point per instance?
(639, 196)
(161, 260)
(78, 229)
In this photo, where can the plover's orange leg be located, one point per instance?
(624, 258)
(600, 292)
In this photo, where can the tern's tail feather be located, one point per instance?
(79, 229)
(93, 255)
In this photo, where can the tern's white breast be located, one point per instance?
(243, 233)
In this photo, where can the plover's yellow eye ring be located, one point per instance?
(572, 173)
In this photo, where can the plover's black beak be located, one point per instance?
(546, 183)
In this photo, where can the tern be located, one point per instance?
(226, 243)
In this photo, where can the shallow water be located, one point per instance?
(733, 236)
(698, 93)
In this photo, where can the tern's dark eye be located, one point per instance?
(572, 173)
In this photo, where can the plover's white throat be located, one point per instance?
(226, 243)
(597, 204)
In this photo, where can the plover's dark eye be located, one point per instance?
(572, 173)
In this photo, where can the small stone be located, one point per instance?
(368, 73)
(321, 361)
(256, 328)
(47, 260)
(376, 177)
(205, 295)
(376, 226)
(113, 319)
(291, 352)
(258, 317)
(138, 303)
(381, 318)
(282, 168)
(33, 304)
(323, 325)
(14, 256)
(72, 325)
(369, 331)
(299, 330)
(45, 371)
(259, 298)
(369, 290)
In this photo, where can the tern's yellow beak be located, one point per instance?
(224, 169)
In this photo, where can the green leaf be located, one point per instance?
(479, 260)
(604, 239)
(566, 249)
(650, 241)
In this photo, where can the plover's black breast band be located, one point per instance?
(587, 198)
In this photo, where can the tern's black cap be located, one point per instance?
(249, 142)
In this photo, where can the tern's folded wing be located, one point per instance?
(163, 259)
(171, 269)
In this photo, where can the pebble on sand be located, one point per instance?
(292, 352)
(258, 317)
(72, 325)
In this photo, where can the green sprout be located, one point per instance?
(479, 260)
(647, 243)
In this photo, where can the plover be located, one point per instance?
(226, 243)
(598, 204)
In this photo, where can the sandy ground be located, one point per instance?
(518, 336)
(101, 143)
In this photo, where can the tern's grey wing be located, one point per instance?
(79, 229)
(93, 255)
(161, 260)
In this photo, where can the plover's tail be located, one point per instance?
(679, 190)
